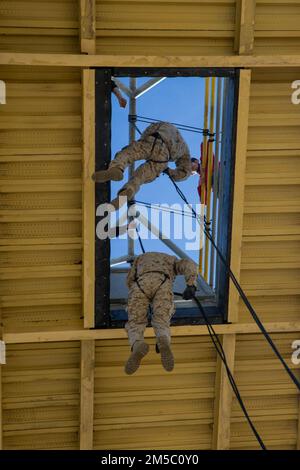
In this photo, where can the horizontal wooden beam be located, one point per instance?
(119, 333)
(87, 372)
(78, 60)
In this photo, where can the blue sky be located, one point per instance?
(179, 100)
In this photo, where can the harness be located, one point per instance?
(166, 276)
(157, 137)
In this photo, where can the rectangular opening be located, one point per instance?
(202, 103)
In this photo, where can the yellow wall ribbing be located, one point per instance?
(41, 158)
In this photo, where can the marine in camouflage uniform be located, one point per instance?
(150, 281)
(160, 143)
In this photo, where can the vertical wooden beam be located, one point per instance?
(88, 196)
(1, 416)
(87, 26)
(87, 369)
(1, 390)
(298, 436)
(223, 395)
(245, 21)
(239, 189)
(1, 412)
(223, 399)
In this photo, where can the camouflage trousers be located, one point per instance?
(148, 149)
(160, 295)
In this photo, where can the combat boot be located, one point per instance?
(164, 348)
(112, 174)
(123, 197)
(139, 350)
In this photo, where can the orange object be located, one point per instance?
(201, 183)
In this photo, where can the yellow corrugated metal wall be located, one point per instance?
(41, 396)
(153, 409)
(40, 180)
(39, 26)
(270, 396)
(270, 269)
(160, 27)
(277, 27)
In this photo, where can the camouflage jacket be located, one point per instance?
(178, 149)
(161, 262)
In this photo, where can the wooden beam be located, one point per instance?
(1, 390)
(119, 333)
(80, 60)
(87, 10)
(223, 398)
(87, 369)
(298, 434)
(245, 21)
(88, 198)
(1, 414)
(239, 189)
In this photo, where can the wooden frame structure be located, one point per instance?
(246, 226)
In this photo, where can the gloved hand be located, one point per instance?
(189, 292)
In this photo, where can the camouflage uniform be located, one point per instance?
(150, 281)
(165, 145)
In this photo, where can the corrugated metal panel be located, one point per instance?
(277, 27)
(160, 27)
(41, 396)
(155, 409)
(39, 26)
(271, 233)
(270, 396)
(40, 180)
(165, 28)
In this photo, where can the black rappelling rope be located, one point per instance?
(140, 240)
(136, 127)
(220, 351)
(145, 118)
(166, 209)
(240, 290)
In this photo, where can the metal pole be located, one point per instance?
(216, 175)
(120, 260)
(148, 86)
(222, 149)
(209, 174)
(122, 87)
(153, 229)
(132, 110)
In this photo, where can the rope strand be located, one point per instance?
(241, 292)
